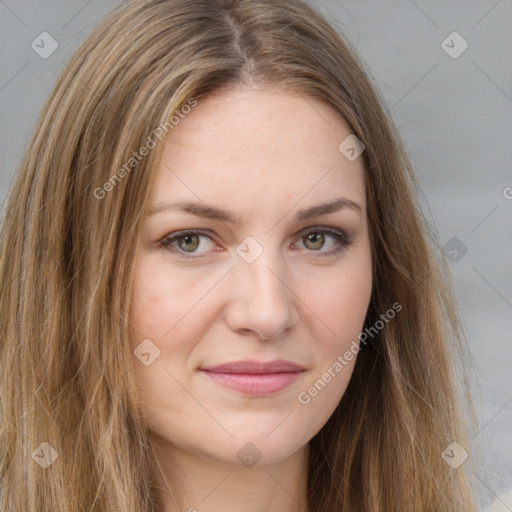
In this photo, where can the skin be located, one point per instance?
(263, 154)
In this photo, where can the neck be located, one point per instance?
(195, 482)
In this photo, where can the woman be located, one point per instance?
(219, 292)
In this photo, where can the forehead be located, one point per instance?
(250, 147)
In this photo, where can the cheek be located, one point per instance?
(170, 314)
(338, 310)
(160, 298)
(338, 316)
(159, 302)
(340, 300)
(347, 303)
(337, 305)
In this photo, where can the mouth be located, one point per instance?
(255, 377)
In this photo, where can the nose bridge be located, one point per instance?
(263, 302)
(264, 278)
(266, 275)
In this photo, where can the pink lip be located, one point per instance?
(255, 377)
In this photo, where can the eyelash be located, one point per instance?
(341, 238)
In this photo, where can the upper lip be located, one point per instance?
(256, 367)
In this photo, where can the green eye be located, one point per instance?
(317, 240)
(190, 242)
(187, 243)
(314, 240)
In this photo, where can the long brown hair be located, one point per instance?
(69, 241)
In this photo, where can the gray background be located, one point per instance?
(455, 115)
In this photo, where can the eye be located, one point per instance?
(187, 243)
(315, 239)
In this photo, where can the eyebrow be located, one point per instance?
(210, 212)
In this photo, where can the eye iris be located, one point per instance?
(189, 237)
(318, 240)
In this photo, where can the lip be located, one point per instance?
(255, 377)
(255, 367)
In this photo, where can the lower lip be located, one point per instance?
(255, 384)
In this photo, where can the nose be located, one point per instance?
(262, 299)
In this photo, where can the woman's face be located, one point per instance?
(268, 277)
